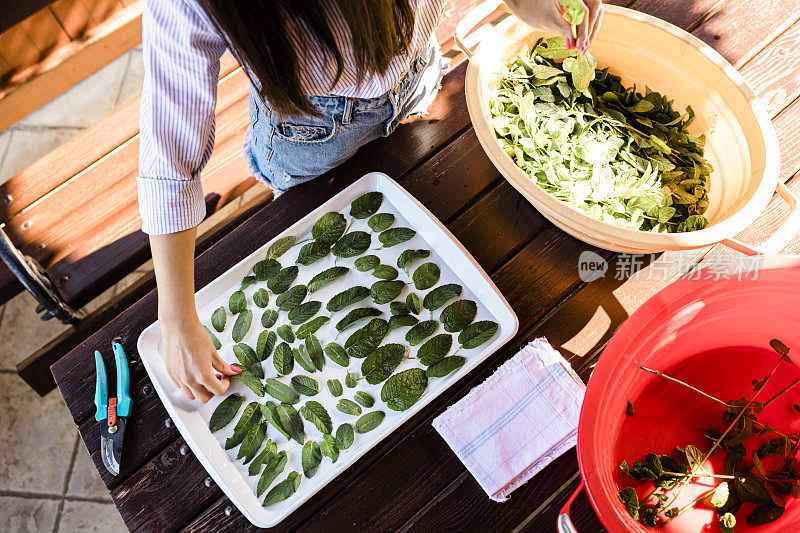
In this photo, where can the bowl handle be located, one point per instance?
(781, 237)
(564, 522)
(471, 20)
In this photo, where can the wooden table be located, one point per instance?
(412, 480)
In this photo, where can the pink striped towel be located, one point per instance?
(516, 422)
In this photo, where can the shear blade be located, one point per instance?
(107, 453)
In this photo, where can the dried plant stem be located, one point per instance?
(683, 383)
(782, 391)
(714, 398)
(717, 442)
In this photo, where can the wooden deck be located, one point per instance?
(412, 480)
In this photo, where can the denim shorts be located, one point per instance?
(285, 151)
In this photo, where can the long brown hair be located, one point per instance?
(257, 32)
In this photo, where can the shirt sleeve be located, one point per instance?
(181, 52)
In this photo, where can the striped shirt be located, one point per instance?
(181, 52)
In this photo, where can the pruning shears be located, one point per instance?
(112, 413)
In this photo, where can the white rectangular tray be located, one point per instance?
(191, 418)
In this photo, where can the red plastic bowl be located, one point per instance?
(713, 334)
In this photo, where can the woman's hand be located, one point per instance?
(193, 363)
(547, 15)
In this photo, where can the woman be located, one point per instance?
(327, 77)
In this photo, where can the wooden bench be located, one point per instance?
(75, 210)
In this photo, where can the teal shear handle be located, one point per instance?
(100, 388)
(123, 381)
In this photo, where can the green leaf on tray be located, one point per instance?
(283, 490)
(409, 256)
(413, 303)
(367, 262)
(281, 246)
(446, 366)
(357, 315)
(250, 417)
(281, 391)
(458, 315)
(426, 276)
(247, 357)
(269, 318)
(252, 442)
(218, 319)
(401, 321)
(441, 295)
(352, 244)
(329, 228)
(270, 412)
(326, 276)
(291, 422)
(305, 385)
(291, 298)
(362, 343)
(329, 448)
(435, 349)
(242, 325)
(364, 399)
(385, 272)
(477, 334)
(348, 407)
(261, 298)
(366, 205)
(337, 354)
(214, 339)
(247, 281)
(380, 364)
(312, 252)
(344, 436)
(273, 468)
(315, 352)
(394, 236)
(281, 282)
(265, 344)
(282, 359)
(350, 380)
(250, 381)
(312, 457)
(315, 413)
(335, 387)
(265, 269)
(421, 331)
(269, 451)
(347, 298)
(311, 327)
(380, 222)
(383, 292)
(303, 359)
(285, 332)
(399, 308)
(403, 389)
(225, 412)
(237, 302)
(304, 312)
(369, 421)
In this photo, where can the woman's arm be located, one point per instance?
(190, 357)
(546, 14)
(181, 58)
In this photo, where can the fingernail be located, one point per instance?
(570, 43)
(236, 368)
(583, 48)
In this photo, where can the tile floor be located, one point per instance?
(47, 481)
